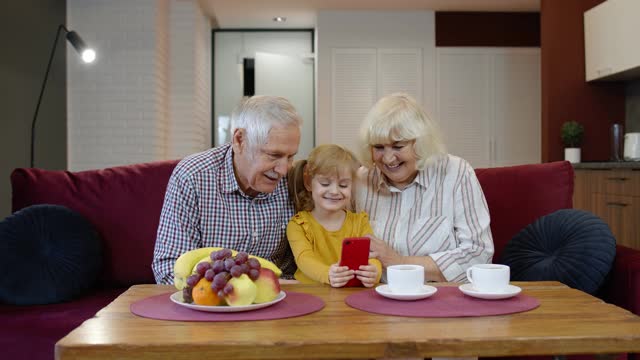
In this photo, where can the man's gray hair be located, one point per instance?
(258, 114)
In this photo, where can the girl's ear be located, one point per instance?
(306, 178)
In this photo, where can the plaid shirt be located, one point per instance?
(205, 207)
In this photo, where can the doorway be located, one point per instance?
(263, 62)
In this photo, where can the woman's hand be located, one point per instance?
(383, 252)
(339, 275)
(367, 274)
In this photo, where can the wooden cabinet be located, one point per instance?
(614, 196)
(610, 32)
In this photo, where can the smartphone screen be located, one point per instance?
(355, 252)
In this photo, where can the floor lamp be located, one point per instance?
(88, 55)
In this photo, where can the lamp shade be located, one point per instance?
(87, 54)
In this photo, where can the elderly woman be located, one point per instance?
(426, 207)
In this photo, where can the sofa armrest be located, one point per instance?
(623, 285)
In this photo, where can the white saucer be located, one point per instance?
(423, 293)
(509, 291)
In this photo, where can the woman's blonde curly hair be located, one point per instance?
(398, 117)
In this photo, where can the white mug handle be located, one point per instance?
(469, 275)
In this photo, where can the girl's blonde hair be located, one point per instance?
(328, 160)
(398, 117)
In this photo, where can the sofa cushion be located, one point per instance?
(123, 203)
(31, 332)
(518, 195)
(574, 247)
(48, 254)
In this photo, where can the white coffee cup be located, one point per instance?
(405, 279)
(489, 278)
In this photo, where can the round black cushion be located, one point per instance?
(574, 247)
(48, 254)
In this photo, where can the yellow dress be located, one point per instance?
(315, 249)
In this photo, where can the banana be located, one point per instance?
(184, 265)
(268, 265)
(187, 262)
(206, 258)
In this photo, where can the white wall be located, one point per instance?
(375, 30)
(147, 96)
(190, 80)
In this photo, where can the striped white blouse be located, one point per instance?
(442, 214)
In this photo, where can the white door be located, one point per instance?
(489, 104)
(353, 91)
(292, 78)
(517, 115)
(360, 76)
(464, 105)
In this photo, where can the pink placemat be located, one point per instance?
(447, 302)
(160, 307)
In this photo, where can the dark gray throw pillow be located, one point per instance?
(48, 254)
(572, 246)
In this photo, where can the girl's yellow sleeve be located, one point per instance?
(311, 268)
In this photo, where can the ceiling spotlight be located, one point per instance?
(279, 19)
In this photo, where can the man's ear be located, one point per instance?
(238, 140)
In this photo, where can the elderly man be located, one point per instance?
(234, 195)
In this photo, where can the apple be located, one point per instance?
(243, 293)
(268, 286)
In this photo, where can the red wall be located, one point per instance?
(565, 94)
(487, 29)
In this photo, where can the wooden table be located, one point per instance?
(566, 322)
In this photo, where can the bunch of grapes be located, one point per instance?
(220, 269)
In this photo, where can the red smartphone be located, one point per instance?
(355, 252)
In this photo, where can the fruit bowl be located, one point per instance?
(177, 298)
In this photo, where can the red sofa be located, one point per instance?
(124, 205)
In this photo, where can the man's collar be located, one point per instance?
(230, 183)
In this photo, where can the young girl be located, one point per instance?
(321, 189)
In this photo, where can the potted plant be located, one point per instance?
(572, 133)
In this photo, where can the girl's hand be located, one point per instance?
(383, 252)
(339, 275)
(367, 274)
